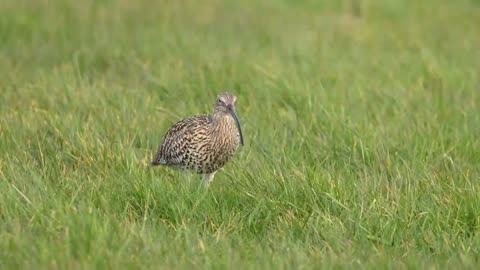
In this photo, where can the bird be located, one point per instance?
(203, 144)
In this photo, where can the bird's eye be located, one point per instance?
(219, 100)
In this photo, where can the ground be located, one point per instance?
(361, 122)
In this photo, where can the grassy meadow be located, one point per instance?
(361, 122)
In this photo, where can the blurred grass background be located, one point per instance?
(361, 123)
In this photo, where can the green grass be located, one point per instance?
(361, 122)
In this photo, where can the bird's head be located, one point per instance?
(225, 106)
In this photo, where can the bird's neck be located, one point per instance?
(225, 130)
(223, 122)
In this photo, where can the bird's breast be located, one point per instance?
(226, 138)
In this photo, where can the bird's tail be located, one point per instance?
(157, 162)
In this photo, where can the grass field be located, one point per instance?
(361, 122)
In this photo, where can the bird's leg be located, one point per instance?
(208, 179)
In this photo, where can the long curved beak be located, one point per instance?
(232, 112)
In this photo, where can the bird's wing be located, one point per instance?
(174, 145)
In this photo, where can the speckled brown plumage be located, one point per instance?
(203, 143)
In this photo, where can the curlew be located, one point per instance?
(203, 143)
